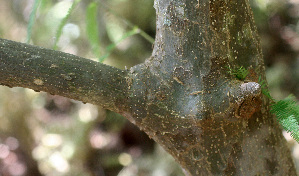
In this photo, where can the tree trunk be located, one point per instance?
(183, 96)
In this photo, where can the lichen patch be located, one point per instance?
(53, 66)
(38, 82)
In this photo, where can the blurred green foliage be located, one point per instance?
(92, 28)
(31, 20)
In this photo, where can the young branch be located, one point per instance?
(59, 73)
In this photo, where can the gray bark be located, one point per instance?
(62, 74)
(183, 96)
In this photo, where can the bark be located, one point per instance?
(62, 74)
(183, 96)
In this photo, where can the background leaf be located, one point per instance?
(63, 22)
(32, 19)
(92, 28)
(112, 46)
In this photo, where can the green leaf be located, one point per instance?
(32, 19)
(240, 73)
(286, 108)
(265, 90)
(63, 22)
(291, 126)
(112, 46)
(127, 22)
(287, 114)
(92, 28)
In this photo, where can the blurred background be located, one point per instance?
(41, 134)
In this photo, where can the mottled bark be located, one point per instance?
(58, 73)
(210, 122)
(183, 96)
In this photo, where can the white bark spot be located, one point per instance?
(38, 82)
(250, 88)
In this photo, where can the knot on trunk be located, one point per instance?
(248, 99)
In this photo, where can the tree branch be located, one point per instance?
(183, 96)
(59, 73)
